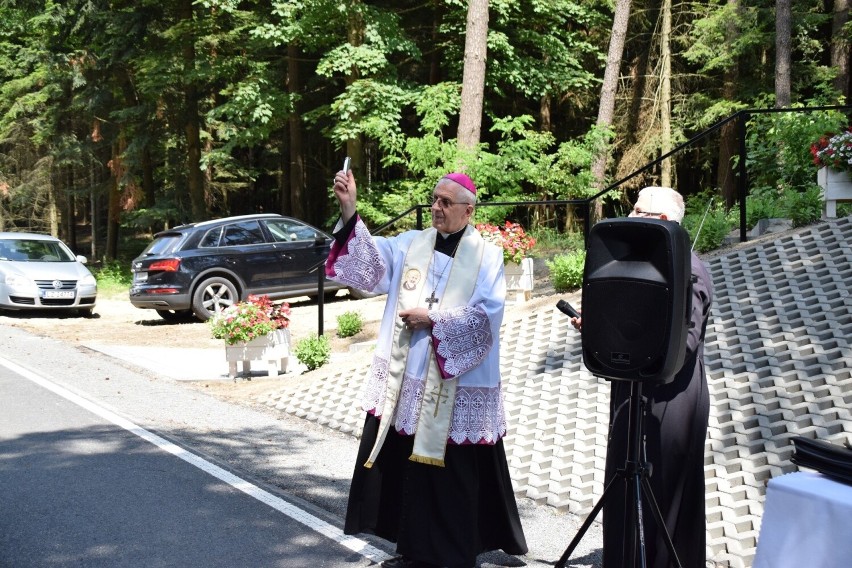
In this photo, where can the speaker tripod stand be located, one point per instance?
(634, 475)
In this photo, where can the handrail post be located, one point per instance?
(742, 173)
(320, 299)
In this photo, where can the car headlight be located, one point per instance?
(18, 281)
(88, 280)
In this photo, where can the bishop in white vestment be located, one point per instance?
(431, 472)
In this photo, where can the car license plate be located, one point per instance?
(140, 276)
(58, 294)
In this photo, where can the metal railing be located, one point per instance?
(741, 118)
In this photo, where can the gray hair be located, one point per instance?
(662, 200)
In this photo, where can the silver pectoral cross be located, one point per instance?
(432, 300)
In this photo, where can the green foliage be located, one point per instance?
(114, 272)
(313, 351)
(550, 240)
(779, 147)
(349, 323)
(762, 205)
(100, 99)
(717, 225)
(707, 220)
(114, 278)
(803, 207)
(566, 270)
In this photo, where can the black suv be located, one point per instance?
(202, 268)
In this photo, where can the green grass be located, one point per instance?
(113, 278)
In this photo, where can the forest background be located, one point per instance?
(124, 117)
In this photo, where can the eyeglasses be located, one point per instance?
(644, 214)
(445, 203)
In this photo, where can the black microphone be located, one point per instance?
(567, 309)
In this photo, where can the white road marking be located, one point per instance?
(352, 543)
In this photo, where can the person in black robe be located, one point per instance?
(437, 516)
(675, 428)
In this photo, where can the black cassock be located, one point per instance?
(675, 431)
(443, 516)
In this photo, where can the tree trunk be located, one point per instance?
(296, 177)
(840, 47)
(192, 122)
(473, 78)
(148, 186)
(666, 177)
(355, 146)
(728, 143)
(609, 87)
(782, 53)
(93, 214)
(70, 212)
(52, 210)
(113, 205)
(545, 113)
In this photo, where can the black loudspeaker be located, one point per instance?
(636, 299)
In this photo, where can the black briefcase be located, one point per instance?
(830, 459)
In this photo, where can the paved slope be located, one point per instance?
(778, 358)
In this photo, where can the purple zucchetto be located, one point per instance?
(463, 180)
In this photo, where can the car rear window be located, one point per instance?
(164, 244)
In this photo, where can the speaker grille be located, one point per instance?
(635, 296)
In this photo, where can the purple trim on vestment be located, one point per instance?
(357, 262)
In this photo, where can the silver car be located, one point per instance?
(39, 272)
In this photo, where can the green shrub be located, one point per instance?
(349, 324)
(550, 240)
(717, 225)
(803, 207)
(762, 205)
(114, 278)
(566, 270)
(313, 352)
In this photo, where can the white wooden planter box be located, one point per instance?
(837, 186)
(271, 349)
(519, 279)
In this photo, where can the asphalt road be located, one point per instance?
(106, 464)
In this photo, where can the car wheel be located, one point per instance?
(175, 315)
(85, 312)
(213, 296)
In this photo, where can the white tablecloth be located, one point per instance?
(807, 521)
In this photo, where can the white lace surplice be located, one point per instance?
(465, 338)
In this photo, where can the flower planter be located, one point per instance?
(272, 348)
(519, 279)
(837, 186)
